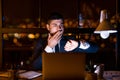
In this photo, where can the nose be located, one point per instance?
(60, 26)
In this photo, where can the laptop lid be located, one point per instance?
(59, 66)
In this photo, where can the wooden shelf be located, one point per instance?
(43, 30)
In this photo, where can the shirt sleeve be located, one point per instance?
(48, 49)
(84, 45)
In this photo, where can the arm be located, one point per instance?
(35, 59)
(52, 41)
(93, 48)
(81, 46)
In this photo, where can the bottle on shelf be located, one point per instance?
(81, 21)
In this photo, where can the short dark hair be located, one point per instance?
(54, 16)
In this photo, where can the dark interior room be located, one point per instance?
(23, 22)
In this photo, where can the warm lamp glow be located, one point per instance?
(31, 36)
(104, 28)
(104, 34)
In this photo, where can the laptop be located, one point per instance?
(63, 66)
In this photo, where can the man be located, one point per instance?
(55, 26)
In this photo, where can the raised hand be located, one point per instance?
(53, 40)
(71, 45)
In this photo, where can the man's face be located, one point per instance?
(55, 26)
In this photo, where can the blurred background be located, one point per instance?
(23, 22)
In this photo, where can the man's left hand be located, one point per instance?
(71, 45)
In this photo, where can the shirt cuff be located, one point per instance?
(84, 45)
(48, 49)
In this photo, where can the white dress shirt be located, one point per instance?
(83, 45)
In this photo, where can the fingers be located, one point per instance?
(49, 36)
(71, 45)
(57, 35)
(68, 46)
(53, 40)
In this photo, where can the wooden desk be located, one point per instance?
(9, 75)
(107, 74)
(38, 78)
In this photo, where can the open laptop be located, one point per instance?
(63, 66)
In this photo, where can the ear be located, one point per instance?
(47, 26)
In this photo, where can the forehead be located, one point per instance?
(56, 21)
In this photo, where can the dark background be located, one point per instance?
(15, 9)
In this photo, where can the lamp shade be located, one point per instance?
(104, 28)
(105, 25)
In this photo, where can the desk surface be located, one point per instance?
(9, 75)
(107, 74)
